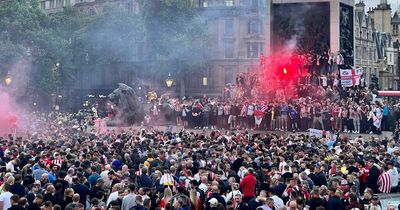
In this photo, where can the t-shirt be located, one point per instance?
(5, 198)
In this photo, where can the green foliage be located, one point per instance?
(176, 31)
(169, 30)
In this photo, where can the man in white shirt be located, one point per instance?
(394, 177)
(114, 194)
(5, 202)
(11, 166)
(204, 184)
(104, 176)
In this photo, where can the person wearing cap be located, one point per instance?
(213, 202)
(215, 194)
(375, 203)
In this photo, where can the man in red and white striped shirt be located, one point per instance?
(384, 181)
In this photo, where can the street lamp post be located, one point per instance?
(56, 97)
(169, 81)
(8, 79)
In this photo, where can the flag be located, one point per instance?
(258, 116)
(350, 77)
(263, 106)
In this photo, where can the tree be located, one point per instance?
(27, 33)
(176, 32)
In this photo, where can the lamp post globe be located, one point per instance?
(169, 81)
(8, 79)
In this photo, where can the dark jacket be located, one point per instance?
(335, 203)
(315, 202)
(145, 181)
(253, 203)
(372, 181)
(320, 179)
(242, 206)
(18, 188)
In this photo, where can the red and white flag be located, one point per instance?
(350, 77)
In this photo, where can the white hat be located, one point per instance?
(213, 201)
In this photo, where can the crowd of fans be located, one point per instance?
(62, 163)
(317, 102)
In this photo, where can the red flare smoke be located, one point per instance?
(8, 120)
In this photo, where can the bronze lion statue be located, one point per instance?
(129, 110)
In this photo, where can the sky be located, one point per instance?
(372, 3)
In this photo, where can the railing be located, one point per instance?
(389, 199)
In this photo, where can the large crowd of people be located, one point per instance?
(62, 163)
(316, 102)
(236, 157)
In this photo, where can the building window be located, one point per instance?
(229, 49)
(254, 49)
(255, 26)
(229, 26)
(228, 75)
(140, 51)
(364, 53)
(130, 7)
(59, 3)
(390, 57)
(358, 53)
(254, 4)
(229, 3)
(370, 54)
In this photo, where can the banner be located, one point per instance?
(350, 77)
(319, 133)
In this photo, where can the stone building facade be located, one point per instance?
(377, 52)
(240, 31)
(365, 46)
